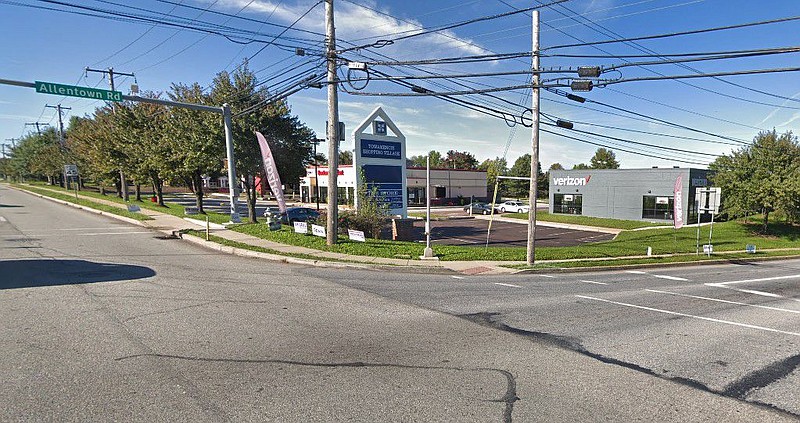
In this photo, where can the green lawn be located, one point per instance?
(586, 220)
(65, 196)
(728, 237)
(169, 208)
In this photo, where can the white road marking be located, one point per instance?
(672, 278)
(598, 283)
(753, 291)
(724, 301)
(709, 319)
(636, 272)
(457, 277)
(3, 219)
(507, 284)
(548, 276)
(776, 278)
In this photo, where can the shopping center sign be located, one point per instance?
(380, 161)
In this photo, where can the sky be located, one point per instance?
(692, 120)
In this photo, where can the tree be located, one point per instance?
(289, 139)
(494, 168)
(459, 160)
(556, 166)
(604, 159)
(581, 166)
(522, 167)
(763, 176)
(194, 139)
(345, 157)
(420, 161)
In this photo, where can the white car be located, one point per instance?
(513, 206)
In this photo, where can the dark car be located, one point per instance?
(298, 214)
(478, 208)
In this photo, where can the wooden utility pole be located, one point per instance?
(534, 191)
(333, 126)
(61, 143)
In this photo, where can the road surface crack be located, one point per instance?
(509, 398)
(763, 377)
(738, 390)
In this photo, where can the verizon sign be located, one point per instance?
(570, 181)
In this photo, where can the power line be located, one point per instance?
(674, 34)
(384, 42)
(701, 75)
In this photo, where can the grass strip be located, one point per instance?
(168, 208)
(86, 203)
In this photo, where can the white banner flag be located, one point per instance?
(271, 171)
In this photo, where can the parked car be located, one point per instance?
(513, 206)
(295, 214)
(478, 208)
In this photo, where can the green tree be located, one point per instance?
(522, 167)
(289, 139)
(556, 166)
(459, 160)
(763, 176)
(494, 168)
(345, 157)
(604, 159)
(420, 160)
(194, 140)
(581, 166)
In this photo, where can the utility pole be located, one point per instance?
(60, 121)
(61, 133)
(333, 126)
(111, 73)
(534, 191)
(36, 124)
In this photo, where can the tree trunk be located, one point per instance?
(251, 193)
(102, 189)
(197, 184)
(118, 187)
(158, 188)
(766, 220)
(138, 191)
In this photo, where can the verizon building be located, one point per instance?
(630, 194)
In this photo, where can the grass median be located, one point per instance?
(70, 198)
(168, 208)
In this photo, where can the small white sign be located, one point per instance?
(301, 227)
(708, 199)
(708, 249)
(133, 208)
(70, 170)
(318, 230)
(662, 200)
(356, 235)
(750, 248)
(568, 198)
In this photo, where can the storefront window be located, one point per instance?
(657, 207)
(568, 203)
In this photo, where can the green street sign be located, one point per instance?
(75, 91)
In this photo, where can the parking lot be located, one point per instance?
(468, 232)
(459, 229)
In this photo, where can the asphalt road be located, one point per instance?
(107, 321)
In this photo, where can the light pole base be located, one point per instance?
(428, 254)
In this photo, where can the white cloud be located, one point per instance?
(355, 22)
